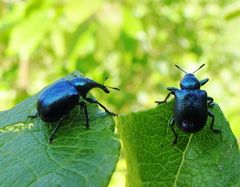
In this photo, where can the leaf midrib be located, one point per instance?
(182, 161)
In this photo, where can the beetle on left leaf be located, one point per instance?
(57, 100)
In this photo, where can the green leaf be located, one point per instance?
(202, 159)
(76, 157)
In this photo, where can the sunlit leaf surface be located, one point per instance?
(202, 159)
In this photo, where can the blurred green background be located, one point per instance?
(134, 42)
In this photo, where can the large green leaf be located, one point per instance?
(76, 157)
(202, 159)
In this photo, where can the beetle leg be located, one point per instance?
(212, 122)
(210, 101)
(84, 106)
(172, 91)
(55, 129)
(165, 100)
(172, 122)
(91, 100)
(204, 81)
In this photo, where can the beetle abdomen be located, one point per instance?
(190, 110)
(57, 100)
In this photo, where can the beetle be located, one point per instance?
(191, 105)
(57, 100)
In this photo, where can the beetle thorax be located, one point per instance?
(82, 84)
(190, 82)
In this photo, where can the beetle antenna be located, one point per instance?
(199, 68)
(180, 68)
(106, 78)
(114, 88)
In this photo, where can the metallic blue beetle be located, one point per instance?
(191, 105)
(56, 101)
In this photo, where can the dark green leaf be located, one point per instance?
(202, 159)
(76, 157)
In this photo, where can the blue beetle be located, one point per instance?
(191, 105)
(56, 101)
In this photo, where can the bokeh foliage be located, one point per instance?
(135, 43)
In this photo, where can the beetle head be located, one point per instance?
(84, 85)
(189, 81)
